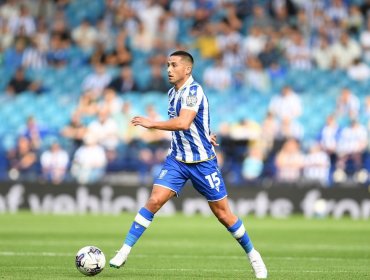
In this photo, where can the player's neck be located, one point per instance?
(181, 83)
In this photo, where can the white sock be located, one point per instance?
(252, 252)
(125, 249)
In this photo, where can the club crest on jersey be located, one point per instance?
(191, 100)
(162, 174)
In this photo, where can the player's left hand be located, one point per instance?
(144, 122)
(214, 140)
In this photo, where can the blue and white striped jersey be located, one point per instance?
(194, 144)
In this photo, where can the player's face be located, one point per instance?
(177, 70)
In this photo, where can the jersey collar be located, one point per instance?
(188, 82)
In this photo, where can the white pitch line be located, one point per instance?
(241, 270)
(174, 256)
(36, 254)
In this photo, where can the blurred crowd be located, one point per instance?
(243, 45)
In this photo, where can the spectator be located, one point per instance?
(13, 56)
(253, 164)
(104, 35)
(9, 9)
(281, 17)
(156, 81)
(6, 36)
(111, 102)
(88, 105)
(89, 162)
(365, 8)
(124, 82)
(85, 35)
(358, 71)
(54, 164)
(60, 29)
(345, 51)
(365, 41)
(19, 83)
(317, 165)
(120, 55)
(104, 131)
(322, 55)
(43, 9)
(183, 8)
(352, 143)
(217, 76)
(348, 105)
(366, 108)
(96, 82)
(328, 137)
(74, 130)
(286, 105)
(22, 161)
(298, 52)
(245, 130)
(227, 36)
(255, 42)
(99, 54)
(201, 18)
(269, 131)
(34, 56)
(276, 72)
(168, 28)
(355, 21)
(126, 132)
(150, 14)
(337, 11)
(142, 40)
(35, 132)
(206, 42)
(255, 76)
(22, 21)
(234, 58)
(57, 55)
(276, 7)
(260, 19)
(289, 162)
(270, 54)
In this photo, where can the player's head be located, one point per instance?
(179, 67)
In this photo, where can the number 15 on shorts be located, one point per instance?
(214, 181)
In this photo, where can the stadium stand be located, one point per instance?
(140, 34)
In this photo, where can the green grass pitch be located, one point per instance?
(179, 247)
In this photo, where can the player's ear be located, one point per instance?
(188, 70)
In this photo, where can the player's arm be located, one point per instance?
(182, 122)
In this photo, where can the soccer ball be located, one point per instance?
(90, 260)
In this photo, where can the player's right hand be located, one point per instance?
(144, 122)
(214, 140)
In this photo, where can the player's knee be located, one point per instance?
(222, 216)
(154, 203)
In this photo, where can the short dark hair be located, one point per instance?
(185, 55)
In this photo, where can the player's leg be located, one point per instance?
(143, 219)
(236, 227)
(207, 179)
(168, 183)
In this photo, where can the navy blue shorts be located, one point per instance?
(205, 176)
